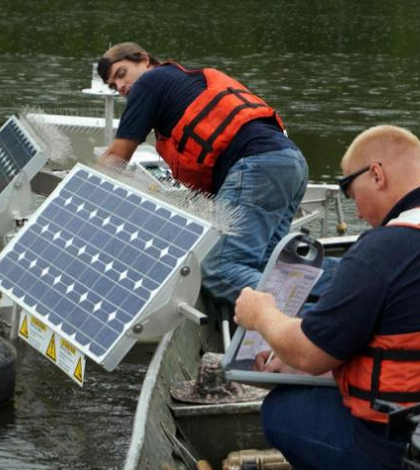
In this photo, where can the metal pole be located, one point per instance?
(109, 116)
(14, 329)
(225, 315)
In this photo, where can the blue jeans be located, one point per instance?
(269, 188)
(315, 431)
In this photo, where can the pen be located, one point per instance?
(269, 358)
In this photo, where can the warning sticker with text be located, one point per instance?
(57, 349)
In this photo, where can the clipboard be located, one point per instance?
(290, 274)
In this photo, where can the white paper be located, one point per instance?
(290, 284)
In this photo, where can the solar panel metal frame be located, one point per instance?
(158, 314)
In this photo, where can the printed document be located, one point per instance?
(290, 284)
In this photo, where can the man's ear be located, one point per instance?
(378, 175)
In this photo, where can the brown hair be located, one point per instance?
(123, 51)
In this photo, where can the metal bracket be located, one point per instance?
(14, 203)
(173, 305)
(192, 314)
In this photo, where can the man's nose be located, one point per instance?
(119, 85)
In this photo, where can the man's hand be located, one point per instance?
(109, 160)
(250, 306)
(275, 364)
(118, 153)
(257, 311)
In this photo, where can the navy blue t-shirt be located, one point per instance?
(158, 99)
(375, 290)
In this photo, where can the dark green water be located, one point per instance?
(331, 68)
(53, 424)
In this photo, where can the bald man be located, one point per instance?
(365, 328)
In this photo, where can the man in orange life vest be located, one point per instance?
(365, 327)
(217, 137)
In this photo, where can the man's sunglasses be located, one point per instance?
(345, 181)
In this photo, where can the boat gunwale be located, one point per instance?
(144, 402)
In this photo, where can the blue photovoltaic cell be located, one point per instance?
(95, 255)
(15, 151)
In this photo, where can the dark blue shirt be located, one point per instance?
(158, 99)
(376, 290)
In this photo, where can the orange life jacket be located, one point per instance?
(207, 127)
(389, 369)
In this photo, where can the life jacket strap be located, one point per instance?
(399, 355)
(188, 131)
(400, 397)
(379, 355)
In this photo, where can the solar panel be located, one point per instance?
(100, 262)
(17, 149)
(20, 159)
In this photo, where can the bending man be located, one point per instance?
(365, 328)
(217, 137)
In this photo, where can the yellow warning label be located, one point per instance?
(60, 351)
(78, 372)
(24, 327)
(68, 346)
(51, 352)
(38, 323)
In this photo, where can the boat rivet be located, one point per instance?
(138, 328)
(185, 271)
